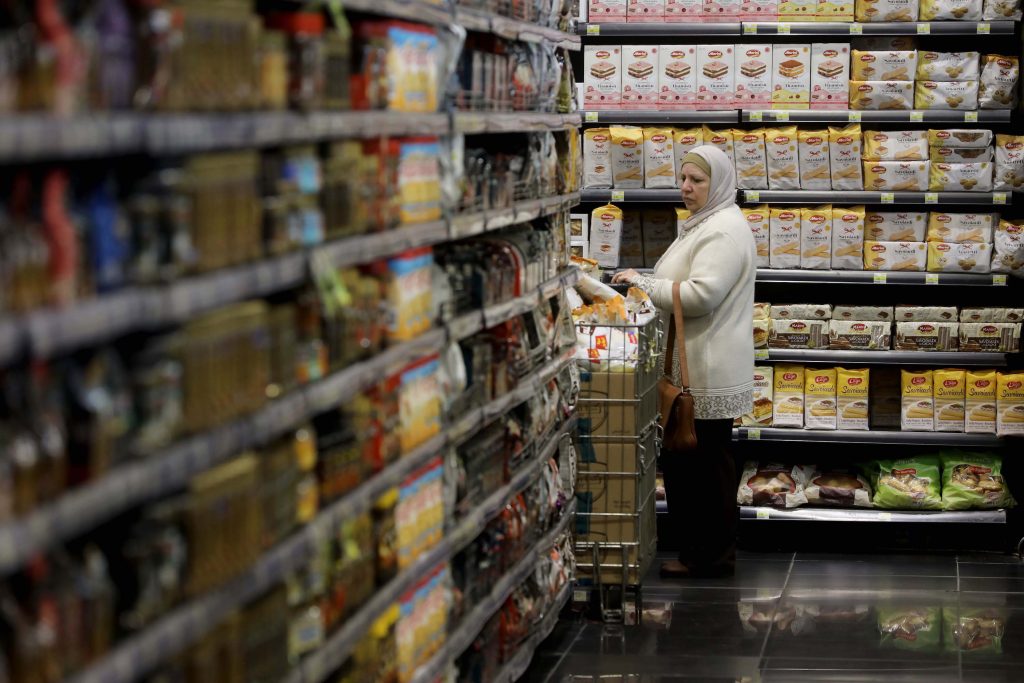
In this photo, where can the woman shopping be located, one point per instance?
(713, 260)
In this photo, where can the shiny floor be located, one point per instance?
(807, 617)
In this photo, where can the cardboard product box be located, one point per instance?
(716, 77)
(602, 76)
(980, 402)
(923, 314)
(799, 334)
(965, 257)
(606, 11)
(721, 11)
(992, 337)
(754, 76)
(798, 10)
(640, 76)
(895, 145)
(881, 95)
(759, 10)
(873, 313)
(601, 493)
(848, 238)
(885, 10)
(791, 76)
(885, 402)
(911, 256)
(896, 176)
(918, 404)
(855, 335)
(602, 416)
(659, 233)
(677, 77)
(645, 11)
(684, 11)
(895, 226)
(973, 177)
(949, 393)
(830, 70)
(800, 312)
(835, 10)
(991, 315)
(924, 336)
(784, 238)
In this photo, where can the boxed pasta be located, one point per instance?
(719, 11)
(798, 334)
(815, 173)
(759, 220)
(999, 76)
(830, 69)
(848, 238)
(970, 138)
(885, 10)
(783, 158)
(602, 79)
(723, 140)
(895, 226)
(885, 411)
(639, 76)
(980, 402)
(918, 406)
(645, 11)
(895, 145)
(881, 95)
(962, 95)
(685, 140)
(877, 313)
(606, 235)
(659, 233)
(659, 158)
(631, 246)
(950, 10)
(993, 337)
(753, 76)
(835, 10)
(1010, 404)
(1009, 172)
(772, 484)
(906, 176)
(844, 149)
(819, 398)
(597, 158)
(784, 230)
(801, 311)
(627, 157)
(949, 394)
(1009, 241)
(948, 66)
(607, 11)
(791, 76)
(716, 77)
(991, 315)
(1004, 10)
(764, 384)
(959, 155)
(921, 314)
(751, 159)
(975, 177)
(927, 336)
(883, 65)
(678, 11)
(859, 335)
(911, 256)
(816, 238)
(788, 395)
(961, 227)
(677, 77)
(852, 391)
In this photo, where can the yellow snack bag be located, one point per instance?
(852, 392)
(918, 409)
(606, 235)
(627, 157)
(751, 159)
(844, 149)
(820, 398)
(815, 173)
(723, 140)
(784, 229)
(848, 238)
(950, 393)
(980, 402)
(789, 396)
(659, 158)
(1009, 403)
(782, 145)
(816, 238)
(759, 222)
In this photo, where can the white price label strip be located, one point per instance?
(854, 117)
(753, 196)
(917, 116)
(750, 29)
(931, 197)
(924, 29)
(998, 197)
(753, 434)
(783, 29)
(971, 116)
(757, 116)
(984, 28)
(592, 116)
(856, 29)
(885, 516)
(760, 354)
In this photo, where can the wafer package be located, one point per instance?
(815, 172)
(896, 226)
(1009, 171)
(886, 10)
(859, 335)
(976, 177)
(878, 313)
(991, 315)
(948, 66)
(659, 158)
(785, 238)
(969, 138)
(896, 176)
(788, 409)
(759, 222)
(927, 336)
(980, 402)
(852, 392)
(677, 80)
(798, 334)
(716, 77)
(783, 158)
(923, 314)
(845, 157)
(639, 76)
(848, 238)
(895, 145)
(881, 95)
(751, 159)
(904, 256)
(602, 80)
(816, 238)
(761, 413)
(949, 392)
(1010, 404)
(801, 311)
(830, 71)
(990, 337)
(961, 155)
(606, 235)
(999, 77)
(820, 398)
(627, 157)
(950, 10)
(918, 409)
(791, 76)
(754, 76)
(959, 95)
(961, 227)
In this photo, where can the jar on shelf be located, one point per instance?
(307, 58)
(273, 70)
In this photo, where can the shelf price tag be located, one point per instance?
(924, 28)
(971, 116)
(764, 513)
(856, 29)
(887, 198)
(878, 279)
(998, 197)
(593, 29)
(885, 516)
(782, 116)
(757, 116)
(760, 354)
(917, 116)
(984, 28)
(931, 197)
(999, 279)
(783, 29)
(753, 434)
(931, 278)
(854, 117)
(753, 196)
(592, 116)
(579, 596)
(618, 195)
(749, 29)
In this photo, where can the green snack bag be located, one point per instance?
(974, 630)
(973, 481)
(908, 484)
(910, 628)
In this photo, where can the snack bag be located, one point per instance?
(1009, 404)
(976, 631)
(950, 394)
(606, 235)
(911, 628)
(1009, 174)
(1009, 241)
(751, 159)
(1005, 10)
(759, 221)
(908, 484)
(783, 158)
(838, 487)
(682, 213)
(627, 157)
(968, 138)
(761, 413)
(918, 403)
(896, 176)
(885, 10)
(895, 145)
(955, 155)
(881, 95)
(723, 140)
(948, 66)
(974, 481)
(883, 65)
(960, 227)
(820, 398)
(960, 95)
(788, 409)
(895, 226)
(784, 227)
(999, 76)
(976, 177)
(950, 10)
(852, 394)
(597, 158)
(659, 158)
(816, 238)
(815, 172)
(965, 257)
(910, 256)
(980, 402)
(845, 157)
(772, 484)
(848, 238)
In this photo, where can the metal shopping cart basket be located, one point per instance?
(616, 527)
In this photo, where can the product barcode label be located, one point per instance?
(854, 117)
(924, 29)
(760, 354)
(856, 30)
(753, 196)
(917, 116)
(782, 116)
(984, 28)
(971, 116)
(885, 516)
(579, 596)
(998, 197)
(783, 29)
(753, 434)
(999, 280)
(750, 29)
(593, 29)
(757, 116)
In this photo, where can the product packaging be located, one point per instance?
(948, 66)
(659, 158)
(852, 394)
(927, 336)
(991, 315)
(1003, 10)
(879, 313)
(974, 481)
(908, 484)
(895, 226)
(819, 398)
(606, 11)
(990, 337)
(886, 10)
(816, 238)
(815, 173)
(764, 383)
(602, 84)
(759, 221)
(627, 157)
(720, 11)
(791, 76)
(860, 335)
(759, 10)
(838, 488)
(980, 404)
(645, 11)
(965, 257)
(784, 230)
(788, 410)
(955, 155)
(841, 11)
(883, 65)
(797, 10)
(961, 227)
(798, 334)
(950, 394)
(751, 159)
(960, 138)
(1008, 250)
(895, 145)
(896, 176)
(881, 95)
(1009, 404)
(597, 158)
(959, 95)
(685, 140)
(782, 145)
(999, 82)
(772, 484)
(723, 140)
(923, 314)
(1009, 173)
(950, 10)
(918, 402)
(754, 76)
(716, 77)
(800, 311)
(639, 76)
(606, 235)
(912, 256)
(677, 79)
(848, 238)
(844, 148)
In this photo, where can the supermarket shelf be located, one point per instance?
(438, 13)
(377, 245)
(865, 515)
(520, 662)
(339, 646)
(943, 28)
(665, 29)
(865, 197)
(844, 116)
(869, 437)
(670, 195)
(512, 122)
(660, 117)
(474, 223)
(513, 29)
(475, 621)
(880, 277)
(937, 358)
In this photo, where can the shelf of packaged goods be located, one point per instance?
(944, 28)
(837, 356)
(808, 514)
(471, 123)
(474, 622)
(950, 439)
(514, 29)
(664, 29)
(33, 138)
(865, 197)
(670, 195)
(844, 116)
(470, 223)
(660, 117)
(867, 277)
(437, 13)
(514, 668)
(340, 645)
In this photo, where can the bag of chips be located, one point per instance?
(838, 487)
(998, 87)
(1005, 10)
(977, 631)
(1009, 172)
(907, 484)
(772, 484)
(910, 628)
(950, 10)
(972, 481)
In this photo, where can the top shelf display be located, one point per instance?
(808, 28)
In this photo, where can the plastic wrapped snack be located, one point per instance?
(973, 481)
(973, 177)
(958, 95)
(895, 145)
(959, 138)
(881, 95)
(1005, 10)
(910, 628)
(838, 487)
(905, 176)
(845, 157)
(772, 484)
(950, 10)
(907, 484)
(886, 10)
(1009, 241)
(1009, 173)
(659, 158)
(948, 66)
(999, 77)
(976, 631)
(751, 159)
(627, 157)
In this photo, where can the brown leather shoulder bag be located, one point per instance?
(679, 433)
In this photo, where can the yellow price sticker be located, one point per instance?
(879, 278)
(854, 117)
(885, 516)
(984, 28)
(783, 29)
(856, 29)
(592, 116)
(764, 513)
(757, 116)
(782, 116)
(917, 116)
(749, 29)
(924, 28)
(931, 197)
(971, 116)
(618, 195)
(888, 198)
(753, 434)
(998, 197)
(593, 29)
(760, 354)
(753, 196)
(999, 280)
(931, 278)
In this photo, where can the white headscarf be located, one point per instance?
(722, 193)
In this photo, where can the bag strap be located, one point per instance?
(677, 340)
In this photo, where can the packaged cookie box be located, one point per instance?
(677, 77)
(927, 336)
(640, 76)
(791, 77)
(896, 176)
(606, 11)
(716, 77)
(602, 79)
(962, 257)
(990, 337)
(908, 256)
(645, 11)
(830, 72)
(946, 95)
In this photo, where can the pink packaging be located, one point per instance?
(753, 76)
(680, 11)
(607, 11)
(716, 77)
(602, 76)
(640, 77)
(759, 10)
(830, 76)
(645, 11)
(677, 77)
(721, 11)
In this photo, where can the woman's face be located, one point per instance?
(696, 185)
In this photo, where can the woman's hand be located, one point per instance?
(626, 276)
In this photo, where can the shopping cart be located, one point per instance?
(616, 524)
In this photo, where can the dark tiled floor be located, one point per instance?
(795, 617)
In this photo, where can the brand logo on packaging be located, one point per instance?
(990, 329)
(658, 138)
(878, 169)
(781, 140)
(640, 54)
(715, 54)
(878, 247)
(854, 381)
(814, 141)
(787, 215)
(844, 140)
(944, 218)
(1013, 385)
(797, 326)
(607, 217)
(880, 138)
(603, 54)
(867, 58)
(678, 54)
(950, 383)
(600, 138)
(821, 379)
(758, 378)
(931, 56)
(942, 246)
(789, 376)
(628, 143)
(858, 327)
(1014, 145)
(817, 219)
(1004, 63)
(755, 217)
(875, 218)
(923, 328)
(718, 140)
(917, 381)
(850, 218)
(944, 167)
(749, 138)
(689, 139)
(753, 53)
(865, 88)
(942, 134)
(904, 472)
(791, 53)
(982, 383)
(831, 53)
(1011, 228)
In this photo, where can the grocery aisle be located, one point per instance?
(804, 616)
